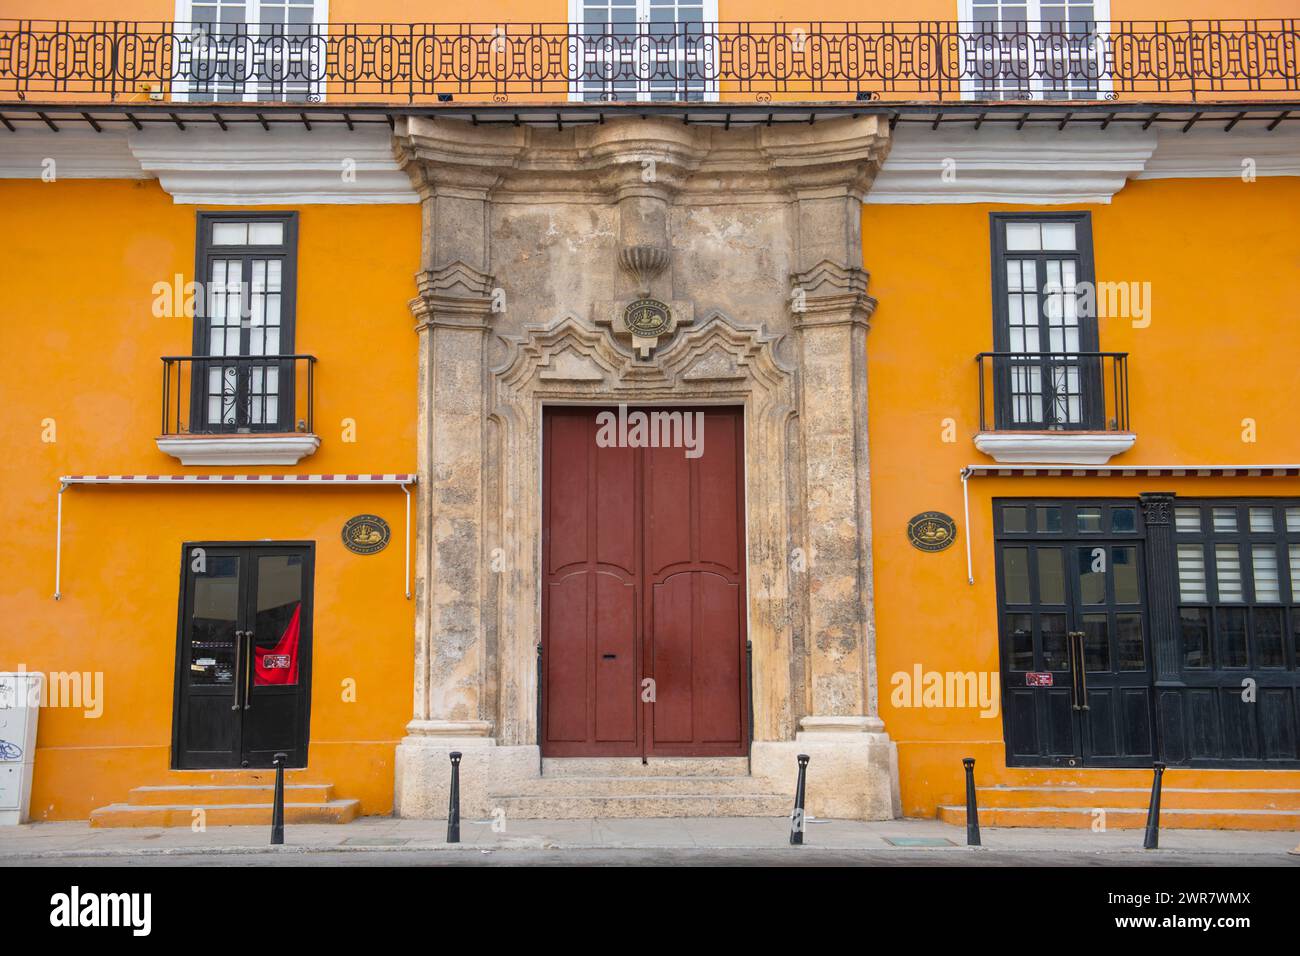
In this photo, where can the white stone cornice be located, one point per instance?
(77, 154)
(250, 167)
(1203, 153)
(1038, 166)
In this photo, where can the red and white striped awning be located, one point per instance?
(1131, 471)
(390, 479)
(399, 479)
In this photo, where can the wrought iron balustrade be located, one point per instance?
(237, 394)
(1053, 391)
(742, 60)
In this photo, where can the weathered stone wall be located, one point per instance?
(533, 240)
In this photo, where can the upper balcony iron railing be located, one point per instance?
(237, 394)
(742, 61)
(1053, 391)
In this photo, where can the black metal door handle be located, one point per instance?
(248, 686)
(237, 673)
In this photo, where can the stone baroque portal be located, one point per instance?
(534, 242)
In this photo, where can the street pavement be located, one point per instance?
(385, 841)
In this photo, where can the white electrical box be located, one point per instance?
(20, 699)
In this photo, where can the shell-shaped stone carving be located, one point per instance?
(644, 262)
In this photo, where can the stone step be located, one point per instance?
(654, 767)
(1137, 798)
(250, 814)
(233, 778)
(615, 786)
(1186, 778)
(1125, 818)
(580, 806)
(209, 795)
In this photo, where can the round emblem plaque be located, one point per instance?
(647, 318)
(365, 534)
(931, 531)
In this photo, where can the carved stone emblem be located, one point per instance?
(645, 320)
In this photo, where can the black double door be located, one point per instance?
(1076, 664)
(243, 685)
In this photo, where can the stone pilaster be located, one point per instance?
(842, 730)
(454, 706)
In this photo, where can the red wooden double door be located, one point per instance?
(643, 598)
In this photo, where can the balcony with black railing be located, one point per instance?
(244, 409)
(741, 61)
(1054, 407)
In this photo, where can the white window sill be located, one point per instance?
(261, 449)
(1054, 448)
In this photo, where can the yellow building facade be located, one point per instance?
(984, 318)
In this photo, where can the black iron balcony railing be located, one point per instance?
(245, 394)
(1053, 391)
(354, 62)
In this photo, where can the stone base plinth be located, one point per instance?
(852, 773)
(423, 774)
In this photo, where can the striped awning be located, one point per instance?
(1131, 471)
(402, 480)
(387, 479)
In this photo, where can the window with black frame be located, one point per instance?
(1047, 372)
(247, 266)
(1238, 584)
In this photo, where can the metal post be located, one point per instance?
(453, 806)
(797, 818)
(1152, 840)
(972, 808)
(277, 811)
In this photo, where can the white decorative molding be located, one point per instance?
(251, 167)
(1209, 152)
(1055, 448)
(239, 449)
(77, 154)
(236, 167)
(1033, 166)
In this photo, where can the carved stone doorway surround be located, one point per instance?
(532, 240)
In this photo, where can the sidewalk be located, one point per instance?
(73, 841)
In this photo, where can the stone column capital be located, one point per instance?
(443, 161)
(455, 296)
(831, 294)
(827, 160)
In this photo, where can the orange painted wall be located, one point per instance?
(79, 345)
(1225, 329)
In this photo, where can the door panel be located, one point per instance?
(244, 658)
(1076, 667)
(643, 592)
(210, 659)
(591, 569)
(275, 699)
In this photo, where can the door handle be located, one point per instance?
(1070, 638)
(1083, 674)
(248, 664)
(238, 671)
(1081, 679)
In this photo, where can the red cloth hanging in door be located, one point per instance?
(279, 664)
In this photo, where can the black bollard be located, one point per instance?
(797, 818)
(972, 808)
(277, 810)
(453, 806)
(1152, 840)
